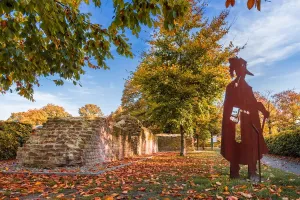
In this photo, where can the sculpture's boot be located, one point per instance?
(234, 170)
(252, 175)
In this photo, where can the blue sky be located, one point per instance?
(272, 52)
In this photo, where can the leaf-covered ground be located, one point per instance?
(13, 166)
(202, 175)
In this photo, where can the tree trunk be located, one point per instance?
(197, 142)
(182, 142)
(211, 141)
(270, 126)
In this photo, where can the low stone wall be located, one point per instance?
(81, 141)
(171, 142)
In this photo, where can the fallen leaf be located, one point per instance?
(271, 190)
(246, 195)
(192, 183)
(60, 195)
(225, 189)
(232, 198)
(142, 189)
(111, 197)
(38, 183)
(198, 196)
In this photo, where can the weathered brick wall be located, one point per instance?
(171, 142)
(80, 141)
(142, 141)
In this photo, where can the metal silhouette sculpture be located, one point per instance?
(241, 112)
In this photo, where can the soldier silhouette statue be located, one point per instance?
(241, 114)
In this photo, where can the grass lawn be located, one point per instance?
(201, 175)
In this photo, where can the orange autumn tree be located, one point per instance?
(288, 109)
(33, 117)
(267, 100)
(90, 110)
(53, 111)
(39, 116)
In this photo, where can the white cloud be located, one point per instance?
(287, 76)
(271, 35)
(82, 91)
(14, 103)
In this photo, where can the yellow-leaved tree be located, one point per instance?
(183, 72)
(90, 110)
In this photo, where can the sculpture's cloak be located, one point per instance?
(239, 94)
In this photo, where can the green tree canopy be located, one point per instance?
(52, 37)
(185, 70)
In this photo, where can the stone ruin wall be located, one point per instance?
(78, 141)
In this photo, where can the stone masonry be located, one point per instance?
(79, 141)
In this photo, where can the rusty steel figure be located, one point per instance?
(241, 112)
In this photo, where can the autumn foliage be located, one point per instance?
(250, 4)
(54, 38)
(183, 74)
(39, 116)
(90, 110)
(12, 135)
(284, 108)
(202, 175)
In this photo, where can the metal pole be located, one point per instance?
(258, 147)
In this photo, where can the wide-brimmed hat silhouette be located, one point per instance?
(239, 65)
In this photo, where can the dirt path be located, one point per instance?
(282, 163)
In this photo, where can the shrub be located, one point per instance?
(12, 135)
(285, 143)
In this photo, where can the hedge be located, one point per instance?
(12, 135)
(285, 143)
